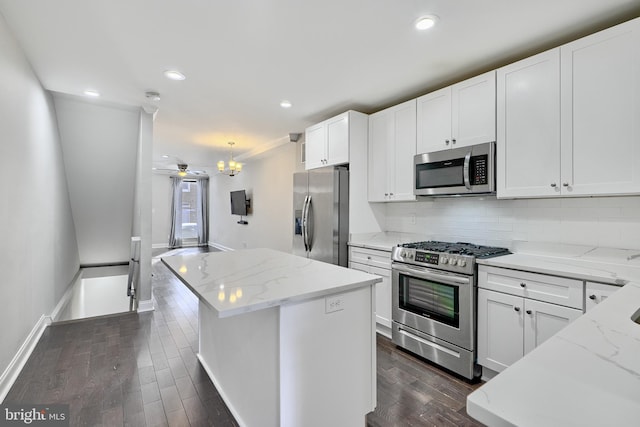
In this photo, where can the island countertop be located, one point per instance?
(242, 281)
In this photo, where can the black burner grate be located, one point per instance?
(459, 248)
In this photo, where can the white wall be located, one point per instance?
(161, 211)
(100, 144)
(268, 180)
(40, 253)
(603, 221)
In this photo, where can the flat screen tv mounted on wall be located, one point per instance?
(239, 203)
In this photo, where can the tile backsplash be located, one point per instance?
(599, 221)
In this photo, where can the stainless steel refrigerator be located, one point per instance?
(321, 214)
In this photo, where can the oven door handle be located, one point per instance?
(424, 273)
(465, 169)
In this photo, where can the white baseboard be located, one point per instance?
(10, 374)
(145, 305)
(221, 247)
(222, 393)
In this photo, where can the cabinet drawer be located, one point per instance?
(556, 290)
(372, 257)
(595, 293)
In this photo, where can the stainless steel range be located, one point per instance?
(434, 287)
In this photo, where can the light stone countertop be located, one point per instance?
(588, 374)
(605, 265)
(385, 240)
(242, 281)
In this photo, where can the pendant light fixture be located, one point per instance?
(233, 168)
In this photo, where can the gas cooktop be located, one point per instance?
(450, 256)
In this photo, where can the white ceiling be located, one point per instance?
(243, 57)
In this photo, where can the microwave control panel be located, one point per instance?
(478, 174)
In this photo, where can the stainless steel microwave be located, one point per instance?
(459, 171)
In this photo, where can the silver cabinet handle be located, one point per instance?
(529, 312)
(446, 141)
(453, 141)
(553, 184)
(592, 297)
(523, 285)
(565, 184)
(516, 308)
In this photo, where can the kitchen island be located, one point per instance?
(286, 340)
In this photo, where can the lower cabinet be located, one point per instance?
(595, 293)
(510, 326)
(513, 316)
(376, 262)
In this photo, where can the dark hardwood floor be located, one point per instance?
(142, 370)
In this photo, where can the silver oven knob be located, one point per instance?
(444, 260)
(403, 254)
(462, 263)
(453, 262)
(410, 255)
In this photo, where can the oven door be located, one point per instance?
(437, 303)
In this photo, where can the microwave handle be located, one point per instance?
(465, 170)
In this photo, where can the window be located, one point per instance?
(189, 213)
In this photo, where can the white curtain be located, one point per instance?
(175, 235)
(202, 211)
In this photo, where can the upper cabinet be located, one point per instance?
(528, 137)
(392, 145)
(327, 143)
(568, 119)
(459, 115)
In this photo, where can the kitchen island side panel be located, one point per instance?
(241, 355)
(328, 360)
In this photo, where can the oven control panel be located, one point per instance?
(443, 261)
(427, 258)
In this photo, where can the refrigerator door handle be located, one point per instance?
(308, 226)
(304, 223)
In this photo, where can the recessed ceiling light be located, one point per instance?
(285, 104)
(91, 92)
(174, 75)
(426, 22)
(165, 156)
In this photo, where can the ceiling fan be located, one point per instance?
(182, 169)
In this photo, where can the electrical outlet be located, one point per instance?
(333, 303)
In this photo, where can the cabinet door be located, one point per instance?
(337, 140)
(383, 296)
(543, 320)
(434, 121)
(500, 336)
(528, 127)
(473, 111)
(600, 112)
(381, 134)
(595, 293)
(315, 144)
(403, 151)
(553, 289)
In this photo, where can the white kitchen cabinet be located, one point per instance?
(327, 143)
(567, 119)
(600, 101)
(459, 115)
(510, 326)
(376, 262)
(392, 146)
(542, 287)
(528, 127)
(595, 293)
(519, 310)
